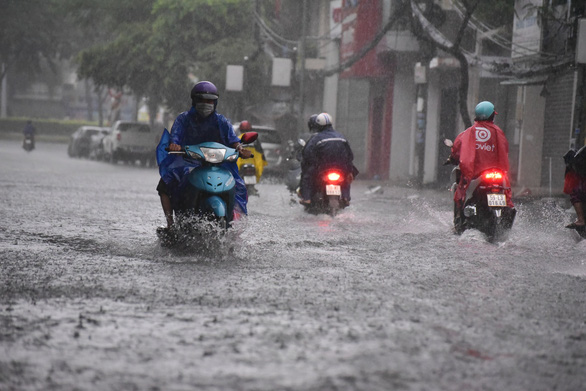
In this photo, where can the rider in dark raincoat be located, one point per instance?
(326, 149)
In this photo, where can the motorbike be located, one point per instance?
(251, 169)
(293, 163)
(28, 144)
(485, 206)
(247, 172)
(575, 162)
(207, 195)
(327, 191)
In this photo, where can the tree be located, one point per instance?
(426, 31)
(153, 53)
(118, 55)
(31, 32)
(205, 35)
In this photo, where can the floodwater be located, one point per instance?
(381, 297)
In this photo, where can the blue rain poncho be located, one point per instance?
(188, 129)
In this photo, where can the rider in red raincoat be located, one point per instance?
(480, 147)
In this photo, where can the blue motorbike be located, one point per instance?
(207, 195)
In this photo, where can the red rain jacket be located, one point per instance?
(480, 147)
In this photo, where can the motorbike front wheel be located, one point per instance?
(223, 223)
(459, 221)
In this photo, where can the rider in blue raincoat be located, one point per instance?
(200, 124)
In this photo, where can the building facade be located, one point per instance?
(398, 103)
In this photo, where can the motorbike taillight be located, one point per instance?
(333, 176)
(493, 176)
(493, 180)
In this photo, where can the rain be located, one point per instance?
(383, 294)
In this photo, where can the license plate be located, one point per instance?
(250, 180)
(333, 190)
(496, 200)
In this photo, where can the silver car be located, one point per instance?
(81, 140)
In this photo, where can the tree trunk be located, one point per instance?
(88, 100)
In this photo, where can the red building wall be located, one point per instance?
(361, 21)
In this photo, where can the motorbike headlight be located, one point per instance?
(232, 158)
(194, 155)
(214, 155)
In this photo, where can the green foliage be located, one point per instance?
(31, 31)
(164, 41)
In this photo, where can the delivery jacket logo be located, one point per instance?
(482, 135)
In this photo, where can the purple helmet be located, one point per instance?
(205, 90)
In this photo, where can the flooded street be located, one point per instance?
(383, 296)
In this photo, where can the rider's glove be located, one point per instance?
(449, 161)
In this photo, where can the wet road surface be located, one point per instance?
(381, 297)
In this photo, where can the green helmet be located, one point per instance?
(483, 111)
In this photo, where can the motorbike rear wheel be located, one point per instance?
(498, 226)
(334, 205)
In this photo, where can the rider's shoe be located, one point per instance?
(162, 231)
(167, 235)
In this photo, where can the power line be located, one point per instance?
(535, 69)
(496, 38)
(265, 27)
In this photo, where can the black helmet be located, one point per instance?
(312, 124)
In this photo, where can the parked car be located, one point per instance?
(271, 142)
(81, 139)
(96, 144)
(130, 141)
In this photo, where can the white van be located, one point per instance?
(130, 141)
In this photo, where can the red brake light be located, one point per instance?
(334, 176)
(119, 136)
(493, 175)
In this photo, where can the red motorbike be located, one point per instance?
(485, 207)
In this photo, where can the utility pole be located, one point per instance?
(3, 92)
(302, 59)
(256, 27)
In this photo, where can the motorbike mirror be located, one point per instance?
(301, 142)
(249, 137)
(448, 143)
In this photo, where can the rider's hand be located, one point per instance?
(174, 147)
(449, 161)
(245, 153)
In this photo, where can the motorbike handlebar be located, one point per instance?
(182, 152)
(449, 161)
